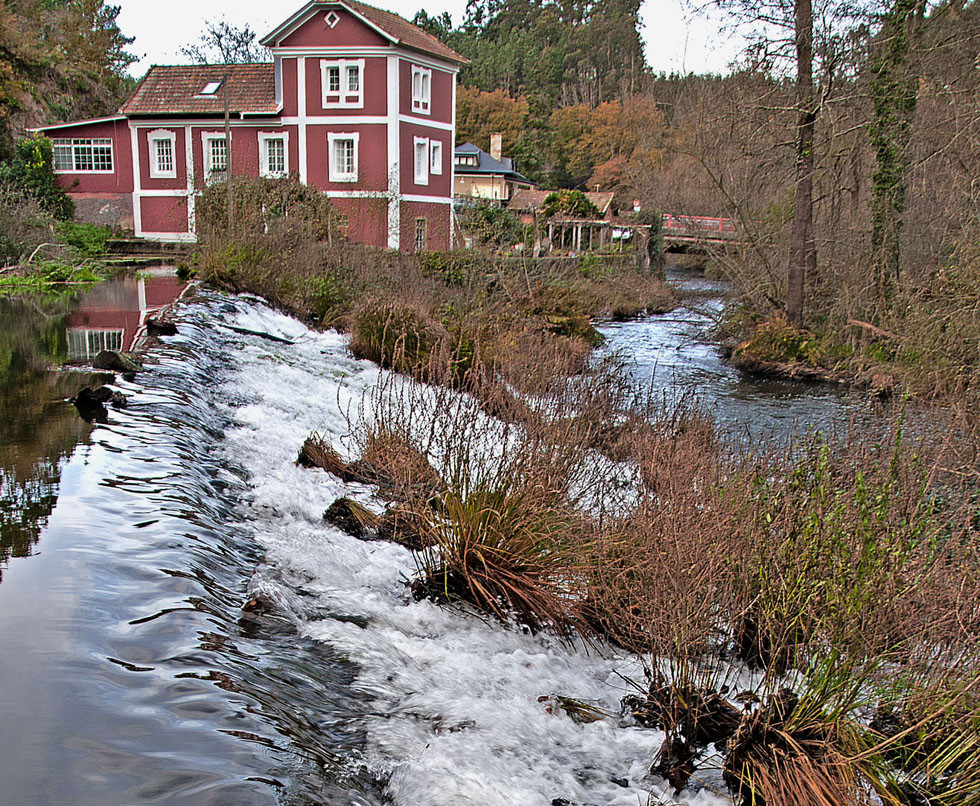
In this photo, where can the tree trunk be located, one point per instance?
(893, 91)
(800, 245)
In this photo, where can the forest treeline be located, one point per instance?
(59, 60)
(877, 122)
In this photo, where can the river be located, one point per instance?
(129, 671)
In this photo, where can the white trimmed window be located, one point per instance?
(83, 155)
(84, 343)
(163, 161)
(421, 89)
(420, 233)
(215, 157)
(435, 160)
(342, 83)
(421, 150)
(274, 154)
(343, 157)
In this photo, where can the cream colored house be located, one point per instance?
(480, 175)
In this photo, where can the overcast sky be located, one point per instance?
(676, 39)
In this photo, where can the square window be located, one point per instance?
(273, 155)
(342, 83)
(342, 157)
(331, 19)
(102, 155)
(63, 160)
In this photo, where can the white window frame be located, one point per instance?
(162, 136)
(206, 138)
(264, 138)
(85, 343)
(333, 173)
(421, 90)
(421, 233)
(345, 98)
(77, 144)
(435, 157)
(421, 166)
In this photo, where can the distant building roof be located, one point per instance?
(486, 165)
(530, 200)
(399, 30)
(180, 89)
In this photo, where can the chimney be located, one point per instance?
(497, 146)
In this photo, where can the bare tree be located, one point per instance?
(794, 38)
(224, 43)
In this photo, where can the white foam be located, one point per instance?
(456, 711)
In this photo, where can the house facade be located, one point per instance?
(479, 175)
(357, 102)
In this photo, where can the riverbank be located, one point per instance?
(731, 574)
(576, 534)
(922, 340)
(757, 587)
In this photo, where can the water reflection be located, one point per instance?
(39, 335)
(112, 316)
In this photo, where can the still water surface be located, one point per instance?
(129, 672)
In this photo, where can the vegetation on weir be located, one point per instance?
(809, 611)
(478, 309)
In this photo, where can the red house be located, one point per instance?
(358, 102)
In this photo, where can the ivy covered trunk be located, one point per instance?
(893, 92)
(800, 245)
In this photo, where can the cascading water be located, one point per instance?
(130, 673)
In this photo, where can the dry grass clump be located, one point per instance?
(351, 517)
(403, 472)
(509, 523)
(318, 452)
(399, 335)
(506, 553)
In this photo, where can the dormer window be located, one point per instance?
(466, 161)
(211, 88)
(421, 89)
(342, 83)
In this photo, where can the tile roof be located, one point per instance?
(176, 90)
(486, 164)
(404, 32)
(534, 200)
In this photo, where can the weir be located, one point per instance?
(133, 671)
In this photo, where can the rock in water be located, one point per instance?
(117, 362)
(90, 404)
(157, 327)
(350, 517)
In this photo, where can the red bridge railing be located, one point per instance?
(692, 226)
